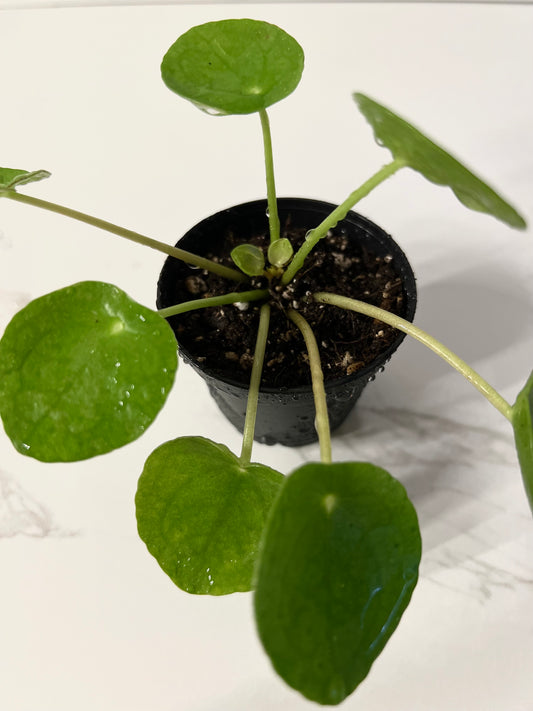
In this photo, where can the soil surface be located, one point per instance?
(223, 338)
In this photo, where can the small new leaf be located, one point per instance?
(10, 178)
(280, 252)
(408, 144)
(83, 370)
(522, 420)
(338, 564)
(233, 66)
(202, 513)
(249, 258)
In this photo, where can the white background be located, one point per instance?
(87, 619)
(25, 4)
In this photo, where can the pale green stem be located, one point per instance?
(273, 219)
(338, 214)
(317, 380)
(255, 382)
(436, 346)
(182, 254)
(233, 298)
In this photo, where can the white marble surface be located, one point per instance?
(87, 619)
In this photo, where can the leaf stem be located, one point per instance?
(317, 379)
(436, 346)
(255, 382)
(338, 214)
(231, 298)
(182, 254)
(273, 218)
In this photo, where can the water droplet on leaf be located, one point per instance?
(211, 111)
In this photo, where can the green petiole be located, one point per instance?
(337, 215)
(255, 382)
(273, 218)
(182, 254)
(317, 379)
(233, 297)
(436, 346)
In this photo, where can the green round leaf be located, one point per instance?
(408, 144)
(249, 258)
(201, 514)
(338, 564)
(522, 420)
(83, 370)
(233, 66)
(280, 252)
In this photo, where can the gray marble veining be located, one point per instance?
(22, 515)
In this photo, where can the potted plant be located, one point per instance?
(331, 550)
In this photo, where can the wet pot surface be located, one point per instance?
(357, 259)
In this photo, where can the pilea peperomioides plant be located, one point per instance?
(331, 550)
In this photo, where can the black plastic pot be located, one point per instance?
(285, 416)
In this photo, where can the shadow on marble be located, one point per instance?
(466, 487)
(432, 456)
(480, 313)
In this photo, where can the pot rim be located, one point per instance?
(403, 266)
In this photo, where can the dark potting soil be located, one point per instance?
(223, 338)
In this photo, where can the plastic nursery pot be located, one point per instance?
(285, 414)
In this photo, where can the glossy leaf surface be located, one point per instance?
(338, 565)
(10, 178)
(522, 420)
(201, 514)
(83, 370)
(249, 258)
(233, 66)
(280, 252)
(420, 153)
